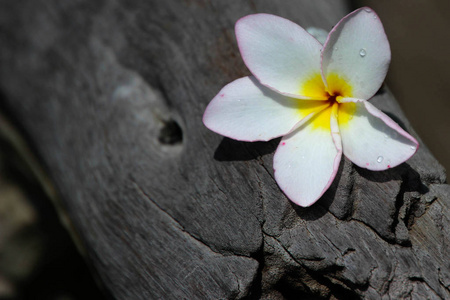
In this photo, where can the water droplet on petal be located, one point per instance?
(368, 10)
(362, 52)
(380, 159)
(412, 148)
(374, 16)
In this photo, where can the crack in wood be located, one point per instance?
(178, 224)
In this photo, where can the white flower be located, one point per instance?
(313, 96)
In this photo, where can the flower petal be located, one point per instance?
(248, 111)
(335, 133)
(357, 50)
(371, 139)
(306, 161)
(280, 53)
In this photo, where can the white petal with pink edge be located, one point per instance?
(335, 133)
(280, 53)
(247, 111)
(306, 162)
(357, 49)
(371, 139)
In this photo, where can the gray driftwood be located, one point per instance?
(111, 94)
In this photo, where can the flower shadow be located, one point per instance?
(338, 199)
(232, 150)
(404, 172)
(322, 206)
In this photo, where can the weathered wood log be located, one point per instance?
(111, 96)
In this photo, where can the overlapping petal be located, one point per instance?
(306, 161)
(358, 51)
(248, 111)
(280, 53)
(371, 139)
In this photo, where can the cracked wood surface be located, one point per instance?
(110, 95)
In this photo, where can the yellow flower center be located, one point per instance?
(338, 88)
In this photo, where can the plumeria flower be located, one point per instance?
(316, 97)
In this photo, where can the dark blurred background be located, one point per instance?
(38, 258)
(419, 76)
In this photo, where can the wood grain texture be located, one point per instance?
(111, 95)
